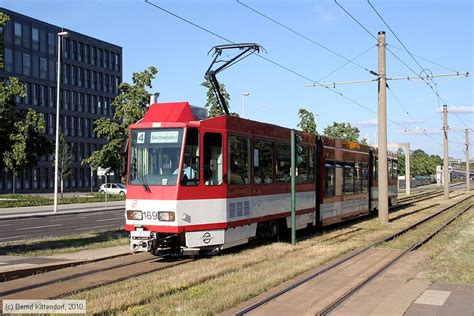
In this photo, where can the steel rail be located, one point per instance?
(413, 247)
(348, 257)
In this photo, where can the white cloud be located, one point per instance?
(368, 123)
(458, 109)
(324, 14)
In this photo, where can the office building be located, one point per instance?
(91, 71)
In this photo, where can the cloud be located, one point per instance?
(412, 121)
(368, 123)
(458, 109)
(324, 14)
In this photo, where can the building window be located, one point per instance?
(93, 54)
(87, 54)
(111, 60)
(43, 68)
(26, 64)
(81, 52)
(106, 59)
(52, 97)
(80, 77)
(117, 66)
(51, 43)
(74, 50)
(99, 57)
(283, 163)
(66, 74)
(74, 75)
(43, 95)
(43, 41)
(18, 33)
(8, 64)
(35, 66)
(93, 79)
(239, 160)
(35, 38)
(52, 70)
(66, 47)
(262, 161)
(26, 36)
(117, 83)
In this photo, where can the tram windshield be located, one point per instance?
(155, 156)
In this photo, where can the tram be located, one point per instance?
(198, 185)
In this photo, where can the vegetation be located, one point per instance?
(21, 139)
(192, 288)
(452, 252)
(130, 106)
(65, 160)
(421, 164)
(343, 130)
(66, 244)
(307, 122)
(18, 200)
(213, 103)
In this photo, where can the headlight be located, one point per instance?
(134, 215)
(166, 216)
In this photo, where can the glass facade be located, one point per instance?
(91, 71)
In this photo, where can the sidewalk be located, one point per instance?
(29, 211)
(18, 266)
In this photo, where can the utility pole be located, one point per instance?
(468, 172)
(445, 161)
(382, 129)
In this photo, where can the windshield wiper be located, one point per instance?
(140, 177)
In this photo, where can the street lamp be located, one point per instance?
(56, 152)
(244, 94)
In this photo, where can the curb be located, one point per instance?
(21, 273)
(32, 215)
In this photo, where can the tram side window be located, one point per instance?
(365, 177)
(302, 169)
(282, 163)
(190, 168)
(339, 178)
(394, 169)
(262, 161)
(376, 169)
(357, 178)
(348, 177)
(213, 170)
(311, 156)
(239, 160)
(329, 179)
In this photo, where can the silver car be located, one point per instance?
(113, 188)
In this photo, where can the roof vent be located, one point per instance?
(154, 98)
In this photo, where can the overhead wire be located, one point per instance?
(414, 59)
(391, 52)
(303, 36)
(271, 61)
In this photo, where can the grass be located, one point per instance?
(20, 200)
(452, 252)
(411, 237)
(66, 244)
(213, 285)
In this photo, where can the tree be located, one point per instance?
(64, 160)
(342, 130)
(213, 103)
(27, 144)
(130, 106)
(307, 122)
(401, 162)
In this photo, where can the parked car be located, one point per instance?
(113, 188)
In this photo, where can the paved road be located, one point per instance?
(47, 226)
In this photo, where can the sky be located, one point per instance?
(433, 30)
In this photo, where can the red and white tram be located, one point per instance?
(200, 186)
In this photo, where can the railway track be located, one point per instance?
(341, 298)
(61, 282)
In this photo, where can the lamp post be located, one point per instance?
(244, 94)
(56, 152)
